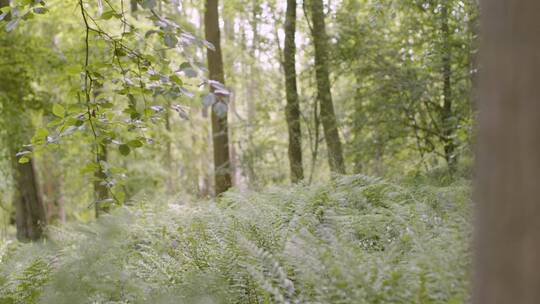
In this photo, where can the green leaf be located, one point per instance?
(124, 149)
(135, 143)
(176, 79)
(40, 136)
(42, 132)
(119, 52)
(24, 160)
(58, 110)
(107, 15)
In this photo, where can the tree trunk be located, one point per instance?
(222, 174)
(446, 111)
(293, 105)
(51, 177)
(101, 191)
(507, 244)
(324, 95)
(30, 216)
(133, 6)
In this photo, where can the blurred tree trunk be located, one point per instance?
(324, 95)
(508, 186)
(51, 176)
(293, 105)
(222, 174)
(101, 191)
(133, 5)
(30, 216)
(447, 116)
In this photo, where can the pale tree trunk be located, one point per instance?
(222, 174)
(51, 177)
(101, 191)
(508, 181)
(324, 95)
(293, 105)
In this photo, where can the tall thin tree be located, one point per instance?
(324, 95)
(446, 110)
(222, 174)
(508, 163)
(293, 105)
(101, 189)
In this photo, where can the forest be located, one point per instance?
(269, 151)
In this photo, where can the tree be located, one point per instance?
(508, 180)
(447, 118)
(222, 174)
(101, 190)
(293, 105)
(30, 216)
(324, 95)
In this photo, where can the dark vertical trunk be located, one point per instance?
(133, 6)
(101, 191)
(324, 95)
(446, 111)
(30, 216)
(508, 186)
(293, 105)
(222, 174)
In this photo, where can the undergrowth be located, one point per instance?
(358, 240)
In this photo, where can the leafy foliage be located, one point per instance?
(358, 240)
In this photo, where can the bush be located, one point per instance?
(358, 240)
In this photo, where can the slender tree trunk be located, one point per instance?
(293, 105)
(446, 111)
(101, 191)
(324, 95)
(222, 174)
(508, 186)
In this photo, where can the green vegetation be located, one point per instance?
(269, 151)
(358, 240)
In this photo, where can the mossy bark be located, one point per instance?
(220, 132)
(293, 105)
(324, 95)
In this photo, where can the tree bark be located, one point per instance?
(30, 216)
(446, 111)
(324, 95)
(222, 174)
(133, 4)
(293, 105)
(507, 244)
(101, 191)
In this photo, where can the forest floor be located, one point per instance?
(355, 240)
